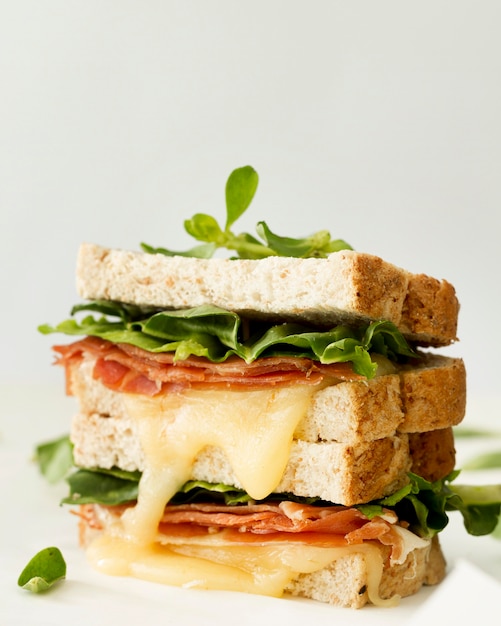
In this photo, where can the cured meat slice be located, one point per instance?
(127, 368)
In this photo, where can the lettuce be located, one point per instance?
(100, 486)
(216, 334)
(423, 504)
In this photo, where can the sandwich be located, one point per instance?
(277, 422)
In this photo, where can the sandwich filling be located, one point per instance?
(250, 410)
(255, 548)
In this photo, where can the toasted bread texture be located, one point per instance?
(344, 582)
(346, 287)
(348, 581)
(357, 430)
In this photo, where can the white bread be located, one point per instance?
(356, 429)
(430, 396)
(347, 286)
(344, 582)
(357, 474)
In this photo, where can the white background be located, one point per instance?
(380, 121)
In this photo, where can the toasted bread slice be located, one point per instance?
(346, 287)
(357, 575)
(429, 396)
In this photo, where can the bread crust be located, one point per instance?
(433, 453)
(347, 286)
(433, 396)
(429, 396)
(344, 582)
(357, 474)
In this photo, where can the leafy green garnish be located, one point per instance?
(216, 334)
(45, 569)
(470, 433)
(196, 490)
(425, 505)
(241, 187)
(102, 486)
(55, 458)
(480, 506)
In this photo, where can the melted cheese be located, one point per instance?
(259, 569)
(255, 429)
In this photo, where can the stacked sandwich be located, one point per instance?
(264, 425)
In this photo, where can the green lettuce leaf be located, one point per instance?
(216, 334)
(55, 458)
(102, 486)
(423, 504)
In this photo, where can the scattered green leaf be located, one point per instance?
(55, 458)
(470, 433)
(45, 569)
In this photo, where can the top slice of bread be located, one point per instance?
(346, 287)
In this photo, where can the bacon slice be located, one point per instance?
(130, 369)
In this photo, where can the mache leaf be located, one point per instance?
(488, 460)
(240, 189)
(108, 487)
(317, 245)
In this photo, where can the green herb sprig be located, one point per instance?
(241, 187)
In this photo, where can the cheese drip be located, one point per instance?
(258, 569)
(254, 428)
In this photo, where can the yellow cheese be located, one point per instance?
(255, 429)
(212, 564)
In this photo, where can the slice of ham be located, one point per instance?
(127, 368)
(327, 526)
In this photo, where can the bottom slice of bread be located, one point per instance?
(345, 582)
(365, 574)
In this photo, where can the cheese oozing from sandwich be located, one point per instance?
(255, 430)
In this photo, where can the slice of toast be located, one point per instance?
(346, 287)
(430, 396)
